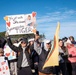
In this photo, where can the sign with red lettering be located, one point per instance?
(4, 69)
(20, 24)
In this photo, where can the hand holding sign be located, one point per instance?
(6, 18)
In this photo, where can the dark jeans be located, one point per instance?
(25, 71)
(73, 68)
(69, 68)
(62, 68)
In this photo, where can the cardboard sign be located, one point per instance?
(9, 53)
(4, 69)
(20, 24)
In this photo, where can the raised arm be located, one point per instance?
(9, 42)
(37, 48)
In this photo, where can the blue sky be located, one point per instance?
(49, 12)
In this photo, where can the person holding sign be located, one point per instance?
(24, 60)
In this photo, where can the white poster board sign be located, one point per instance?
(20, 24)
(4, 69)
(9, 53)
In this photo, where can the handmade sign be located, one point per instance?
(4, 69)
(9, 53)
(20, 24)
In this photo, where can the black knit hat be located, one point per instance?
(24, 40)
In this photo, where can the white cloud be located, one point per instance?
(56, 16)
(47, 23)
(71, 12)
(66, 29)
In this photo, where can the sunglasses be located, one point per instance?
(23, 42)
(48, 43)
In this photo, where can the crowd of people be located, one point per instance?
(32, 53)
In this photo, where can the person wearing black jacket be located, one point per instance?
(43, 53)
(35, 57)
(24, 58)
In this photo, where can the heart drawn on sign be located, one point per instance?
(33, 14)
(7, 54)
(8, 24)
